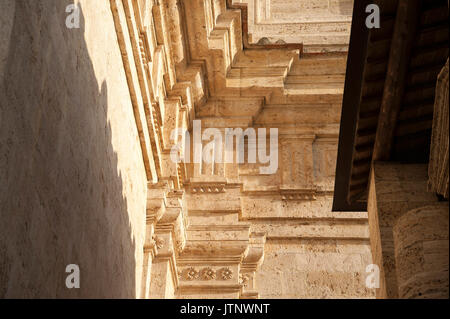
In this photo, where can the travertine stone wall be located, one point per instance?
(395, 189)
(321, 25)
(73, 184)
(315, 268)
(421, 252)
(310, 251)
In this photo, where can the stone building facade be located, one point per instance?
(87, 176)
(393, 145)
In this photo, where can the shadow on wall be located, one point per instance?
(61, 199)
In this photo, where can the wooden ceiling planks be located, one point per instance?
(389, 113)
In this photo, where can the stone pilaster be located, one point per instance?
(168, 239)
(253, 259)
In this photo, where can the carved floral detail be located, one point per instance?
(244, 279)
(191, 273)
(180, 246)
(159, 242)
(209, 189)
(208, 273)
(152, 243)
(226, 273)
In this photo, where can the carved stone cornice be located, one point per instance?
(243, 7)
(309, 194)
(298, 194)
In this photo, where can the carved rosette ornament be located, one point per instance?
(152, 242)
(180, 246)
(159, 242)
(191, 273)
(208, 274)
(226, 273)
(244, 279)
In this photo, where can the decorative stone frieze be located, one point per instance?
(208, 273)
(226, 273)
(208, 189)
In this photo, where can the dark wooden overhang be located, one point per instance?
(389, 91)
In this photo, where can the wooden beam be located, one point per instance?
(357, 54)
(407, 19)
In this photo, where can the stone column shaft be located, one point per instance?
(421, 252)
